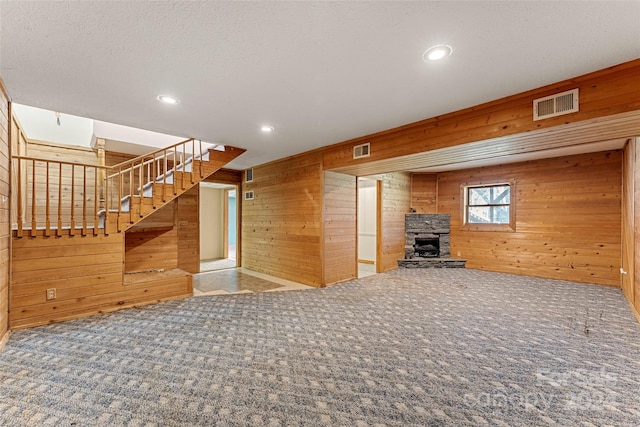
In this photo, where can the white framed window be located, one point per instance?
(249, 195)
(489, 207)
(248, 175)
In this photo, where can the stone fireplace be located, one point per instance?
(428, 243)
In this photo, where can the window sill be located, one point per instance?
(505, 228)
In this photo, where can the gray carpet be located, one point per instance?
(406, 348)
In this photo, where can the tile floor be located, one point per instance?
(231, 280)
(365, 270)
(217, 264)
(238, 281)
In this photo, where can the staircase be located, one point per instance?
(91, 239)
(101, 200)
(163, 184)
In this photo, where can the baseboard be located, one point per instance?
(366, 261)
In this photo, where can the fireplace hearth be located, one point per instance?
(428, 243)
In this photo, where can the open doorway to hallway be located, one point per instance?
(218, 226)
(367, 226)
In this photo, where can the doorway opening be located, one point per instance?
(218, 226)
(367, 227)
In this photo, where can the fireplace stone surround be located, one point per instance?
(428, 242)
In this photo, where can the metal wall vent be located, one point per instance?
(248, 175)
(362, 150)
(555, 105)
(248, 195)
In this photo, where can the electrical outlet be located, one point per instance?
(51, 293)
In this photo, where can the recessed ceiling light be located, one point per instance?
(435, 53)
(168, 99)
(267, 129)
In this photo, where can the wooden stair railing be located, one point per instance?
(110, 196)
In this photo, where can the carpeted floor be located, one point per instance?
(407, 348)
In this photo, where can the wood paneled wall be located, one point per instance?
(339, 228)
(67, 153)
(568, 218)
(628, 219)
(153, 243)
(188, 221)
(424, 192)
(282, 226)
(395, 204)
(86, 273)
(614, 90)
(5, 221)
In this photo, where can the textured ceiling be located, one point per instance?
(319, 72)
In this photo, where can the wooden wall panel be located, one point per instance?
(396, 203)
(607, 92)
(152, 244)
(424, 190)
(67, 153)
(628, 219)
(188, 221)
(5, 222)
(226, 176)
(636, 221)
(77, 267)
(87, 274)
(339, 228)
(568, 218)
(282, 226)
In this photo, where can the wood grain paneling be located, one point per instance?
(613, 91)
(188, 221)
(226, 176)
(153, 243)
(395, 204)
(66, 153)
(339, 228)
(628, 219)
(87, 274)
(5, 222)
(636, 221)
(424, 190)
(282, 226)
(568, 218)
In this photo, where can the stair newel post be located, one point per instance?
(155, 176)
(152, 181)
(176, 162)
(59, 230)
(119, 200)
(131, 179)
(141, 185)
(193, 159)
(73, 200)
(95, 200)
(84, 200)
(47, 222)
(106, 201)
(183, 162)
(164, 177)
(201, 159)
(20, 219)
(33, 198)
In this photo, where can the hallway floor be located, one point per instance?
(240, 281)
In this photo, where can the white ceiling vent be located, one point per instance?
(362, 150)
(555, 105)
